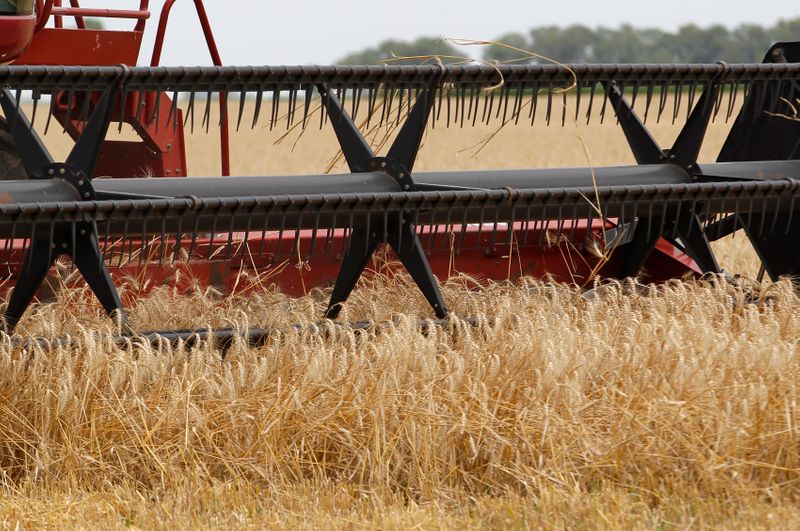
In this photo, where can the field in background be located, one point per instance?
(673, 407)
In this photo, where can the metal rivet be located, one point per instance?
(81, 182)
(83, 232)
(87, 195)
(62, 171)
(383, 164)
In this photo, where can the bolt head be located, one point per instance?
(383, 164)
(62, 171)
(87, 195)
(81, 182)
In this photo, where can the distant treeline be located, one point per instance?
(582, 44)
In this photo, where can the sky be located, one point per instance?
(304, 32)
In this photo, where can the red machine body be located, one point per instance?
(28, 39)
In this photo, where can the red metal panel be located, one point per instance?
(82, 47)
(482, 257)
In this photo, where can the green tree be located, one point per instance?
(571, 44)
(690, 44)
(502, 54)
(389, 49)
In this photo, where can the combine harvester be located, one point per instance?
(654, 219)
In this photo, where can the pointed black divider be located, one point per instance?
(78, 240)
(32, 150)
(687, 229)
(396, 230)
(645, 148)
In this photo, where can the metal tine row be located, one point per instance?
(440, 227)
(467, 87)
(458, 105)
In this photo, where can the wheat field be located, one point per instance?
(674, 406)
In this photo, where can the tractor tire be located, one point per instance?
(11, 167)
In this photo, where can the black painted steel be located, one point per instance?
(513, 88)
(668, 195)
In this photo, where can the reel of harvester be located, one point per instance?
(660, 214)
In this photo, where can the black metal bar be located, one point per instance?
(645, 148)
(34, 154)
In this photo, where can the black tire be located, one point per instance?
(11, 167)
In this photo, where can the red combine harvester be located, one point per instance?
(161, 152)
(653, 220)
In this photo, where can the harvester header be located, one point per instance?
(655, 219)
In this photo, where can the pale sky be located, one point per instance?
(271, 32)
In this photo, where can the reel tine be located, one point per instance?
(162, 241)
(534, 101)
(648, 101)
(573, 222)
(70, 104)
(471, 104)
(309, 95)
(527, 224)
(676, 104)
(51, 112)
(517, 112)
(156, 117)
(172, 115)
(388, 102)
(281, 230)
(439, 92)
(371, 96)
(264, 232)
(635, 89)
(240, 114)
(495, 225)
(257, 109)
(314, 231)
(662, 101)
(107, 252)
(206, 124)
(718, 102)
(356, 103)
(606, 97)
(401, 93)
(692, 94)
(35, 96)
(292, 108)
(190, 112)
(231, 229)
(549, 111)
(463, 103)
(592, 90)
(276, 105)
(774, 90)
